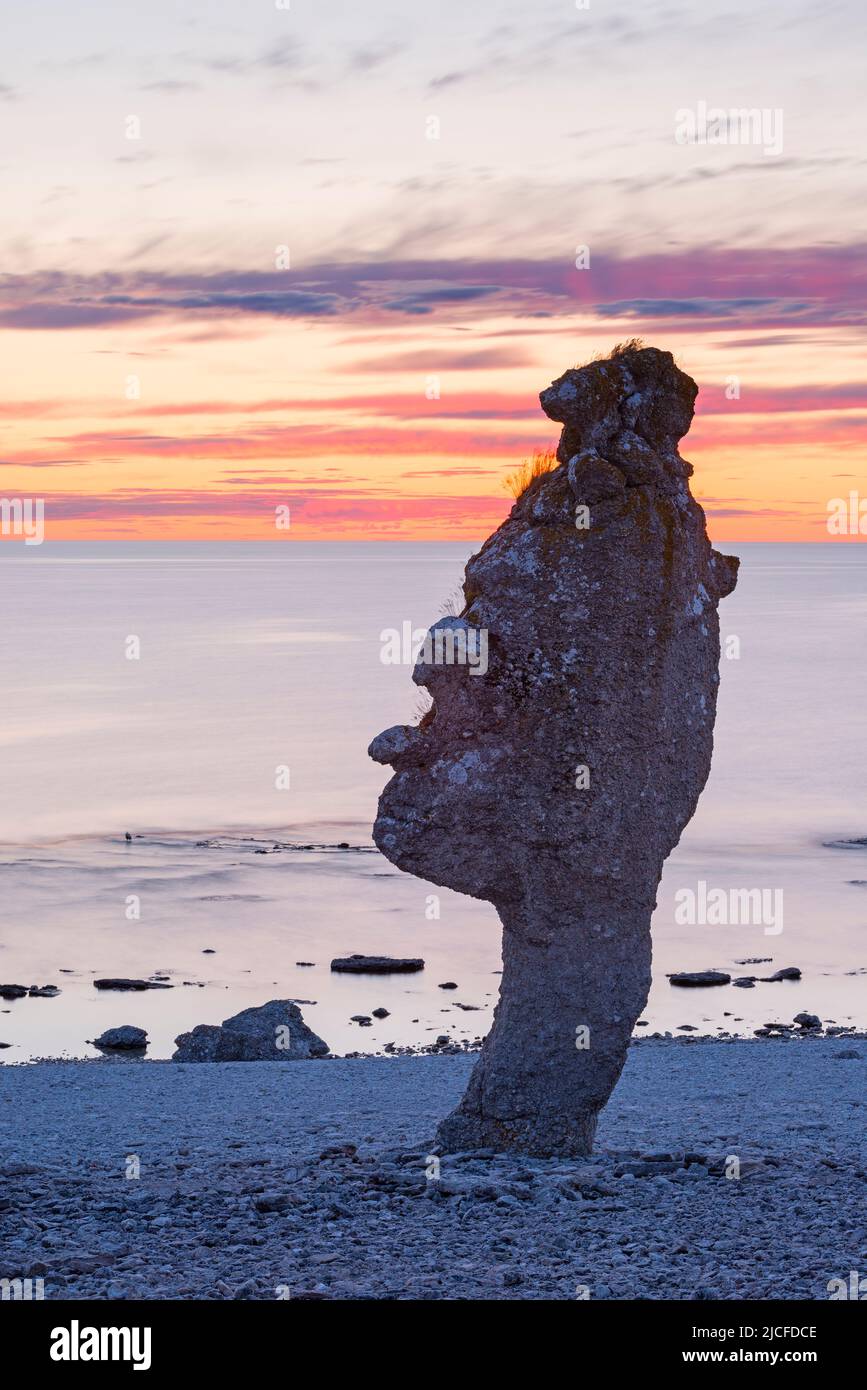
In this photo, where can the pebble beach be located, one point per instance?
(722, 1170)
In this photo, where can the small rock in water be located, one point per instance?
(694, 979)
(380, 1013)
(12, 991)
(745, 982)
(808, 1021)
(449, 984)
(789, 972)
(125, 1038)
(129, 984)
(375, 965)
(363, 1020)
(43, 991)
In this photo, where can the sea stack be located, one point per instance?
(554, 776)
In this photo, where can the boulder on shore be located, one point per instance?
(274, 1032)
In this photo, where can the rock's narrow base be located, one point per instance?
(460, 1133)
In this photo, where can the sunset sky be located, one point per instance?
(163, 378)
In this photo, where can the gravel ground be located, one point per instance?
(308, 1179)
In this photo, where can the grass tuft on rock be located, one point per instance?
(539, 463)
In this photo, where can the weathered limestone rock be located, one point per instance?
(556, 782)
(275, 1032)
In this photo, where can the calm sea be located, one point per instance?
(215, 699)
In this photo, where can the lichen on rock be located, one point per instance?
(555, 784)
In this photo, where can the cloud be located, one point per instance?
(297, 441)
(764, 400)
(404, 405)
(424, 302)
(751, 289)
(282, 55)
(757, 512)
(171, 86)
(277, 304)
(43, 463)
(448, 79)
(716, 431)
(705, 309)
(41, 315)
(463, 472)
(482, 359)
(310, 510)
(369, 57)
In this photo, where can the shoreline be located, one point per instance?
(225, 918)
(788, 1033)
(310, 1180)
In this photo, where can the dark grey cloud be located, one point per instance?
(448, 79)
(279, 304)
(425, 301)
(699, 308)
(369, 57)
